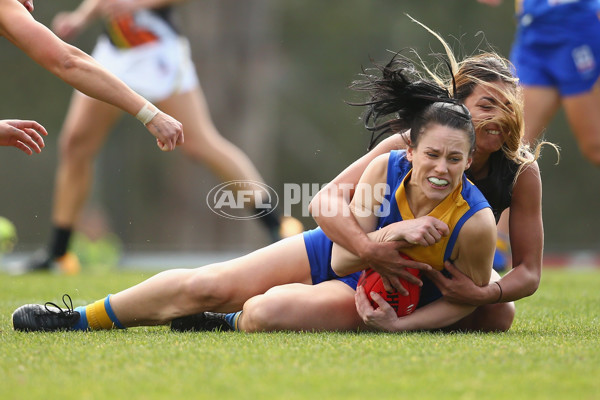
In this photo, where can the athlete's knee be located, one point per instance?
(74, 147)
(498, 317)
(211, 149)
(260, 315)
(207, 290)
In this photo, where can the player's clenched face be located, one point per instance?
(439, 161)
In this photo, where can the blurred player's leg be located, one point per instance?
(540, 105)
(87, 124)
(583, 113)
(205, 145)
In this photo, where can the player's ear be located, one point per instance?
(469, 161)
(409, 153)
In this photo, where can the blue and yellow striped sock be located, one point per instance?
(98, 315)
(232, 320)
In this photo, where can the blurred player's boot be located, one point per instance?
(289, 226)
(281, 227)
(67, 264)
(201, 322)
(48, 317)
(502, 256)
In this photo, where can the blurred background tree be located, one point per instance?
(275, 74)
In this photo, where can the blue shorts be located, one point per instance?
(429, 292)
(560, 50)
(318, 248)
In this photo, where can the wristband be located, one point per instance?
(147, 112)
(499, 287)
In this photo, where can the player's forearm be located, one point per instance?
(344, 262)
(86, 75)
(88, 10)
(520, 282)
(333, 214)
(438, 314)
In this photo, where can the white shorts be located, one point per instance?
(156, 70)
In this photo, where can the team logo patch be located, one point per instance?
(584, 59)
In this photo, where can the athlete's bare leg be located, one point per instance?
(328, 306)
(203, 143)
(221, 287)
(583, 114)
(86, 127)
(540, 105)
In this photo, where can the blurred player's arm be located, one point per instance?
(68, 24)
(82, 72)
(24, 135)
(113, 8)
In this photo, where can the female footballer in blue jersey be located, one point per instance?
(435, 214)
(556, 54)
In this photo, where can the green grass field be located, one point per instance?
(552, 352)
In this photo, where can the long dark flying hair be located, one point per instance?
(487, 69)
(401, 99)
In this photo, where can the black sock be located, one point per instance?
(270, 221)
(60, 241)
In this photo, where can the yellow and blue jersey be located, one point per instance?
(454, 210)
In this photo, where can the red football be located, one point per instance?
(404, 305)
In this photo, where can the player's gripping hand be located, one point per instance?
(422, 231)
(459, 288)
(382, 318)
(167, 130)
(385, 258)
(24, 135)
(67, 25)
